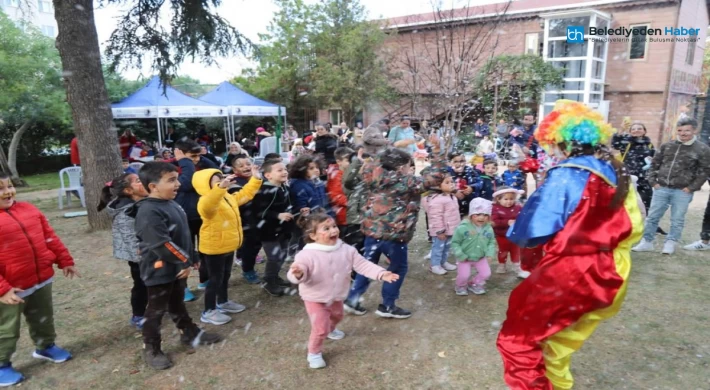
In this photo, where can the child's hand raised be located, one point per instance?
(285, 217)
(305, 211)
(10, 298)
(296, 271)
(70, 272)
(256, 172)
(390, 277)
(227, 181)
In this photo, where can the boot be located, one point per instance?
(282, 283)
(194, 337)
(155, 358)
(274, 289)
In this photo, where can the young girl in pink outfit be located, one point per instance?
(442, 210)
(323, 270)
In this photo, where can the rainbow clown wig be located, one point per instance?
(574, 124)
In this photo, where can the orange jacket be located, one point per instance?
(337, 197)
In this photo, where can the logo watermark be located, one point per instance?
(576, 34)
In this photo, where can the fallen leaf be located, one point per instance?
(442, 354)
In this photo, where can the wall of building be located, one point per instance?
(645, 107)
(29, 10)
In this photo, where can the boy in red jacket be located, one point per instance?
(26, 273)
(334, 187)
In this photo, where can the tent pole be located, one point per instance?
(160, 135)
(278, 132)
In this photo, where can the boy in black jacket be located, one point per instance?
(190, 160)
(249, 251)
(488, 181)
(166, 257)
(273, 217)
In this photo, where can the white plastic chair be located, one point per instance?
(74, 175)
(266, 146)
(136, 166)
(286, 156)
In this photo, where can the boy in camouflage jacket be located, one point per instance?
(389, 220)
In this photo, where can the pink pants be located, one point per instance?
(324, 318)
(464, 272)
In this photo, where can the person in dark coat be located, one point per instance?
(326, 143)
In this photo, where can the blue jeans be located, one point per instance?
(440, 250)
(397, 253)
(664, 197)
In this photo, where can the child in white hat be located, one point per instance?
(474, 244)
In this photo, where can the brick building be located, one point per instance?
(648, 81)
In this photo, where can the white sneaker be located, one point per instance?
(315, 360)
(643, 246)
(230, 307)
(523, 274)
(237, 262)
(500, 269)
(428, 256)
(461, 291)
(697, 246)
(476, 289)
(438, 270)
(449, 267)
(214, 317)
(336, 334)
(668, 247)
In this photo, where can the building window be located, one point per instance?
(690, 54)
(12, 3)
(532, 43)
(638, 47)
(48, 31)
(45, 6)
(335, 117)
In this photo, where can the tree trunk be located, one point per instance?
(78, 46)
(12, 149)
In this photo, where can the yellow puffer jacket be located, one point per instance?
(221, 230)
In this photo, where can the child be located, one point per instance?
(117, 197)
(190, 160)
(442, 211)
(307, 194)
(273, 215)
(30, 249)
(323, 270)
(165, 242)
(488, 181)
(464, 177)
(334, 186)
(389, 220)
(220, 235)
(474, 244)
(514, 177)
(247, 256)
(127, 168)
(505, 211)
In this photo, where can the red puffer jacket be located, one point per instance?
(29, 248)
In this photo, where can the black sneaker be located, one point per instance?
(282, 283)
(155, 358)
(392, 312)
(661, 231)
(197, 337)
(274, 289)
(358, 310)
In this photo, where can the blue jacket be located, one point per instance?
(489, 185)
(482, 129)
(187, 197)
(514, 179)
(311, 194)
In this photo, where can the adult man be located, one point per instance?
(402, 137)
(678, 169)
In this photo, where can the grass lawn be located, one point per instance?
(40, 182)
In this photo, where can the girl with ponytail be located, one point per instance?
(117, 197)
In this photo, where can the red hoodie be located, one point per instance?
(334, 189)
(501, 215)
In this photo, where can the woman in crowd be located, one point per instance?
(234, 150)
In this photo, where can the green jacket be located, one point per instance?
(471, 243)
(355, 191)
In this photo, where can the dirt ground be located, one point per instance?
(658, 341)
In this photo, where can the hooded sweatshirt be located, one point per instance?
(269, 202)
(125, 243)
(221, 230)
(163, 239)
(471, 243)
(326, 271)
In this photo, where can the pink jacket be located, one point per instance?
(326, 271)
(443, 213)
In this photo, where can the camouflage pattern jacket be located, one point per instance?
(392, 202)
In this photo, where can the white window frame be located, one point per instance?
(645, 48)
(47, 10)
(45, 29)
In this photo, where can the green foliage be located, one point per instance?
(521, 80)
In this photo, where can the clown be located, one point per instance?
(586, 217)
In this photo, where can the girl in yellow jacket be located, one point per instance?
(220, 235)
